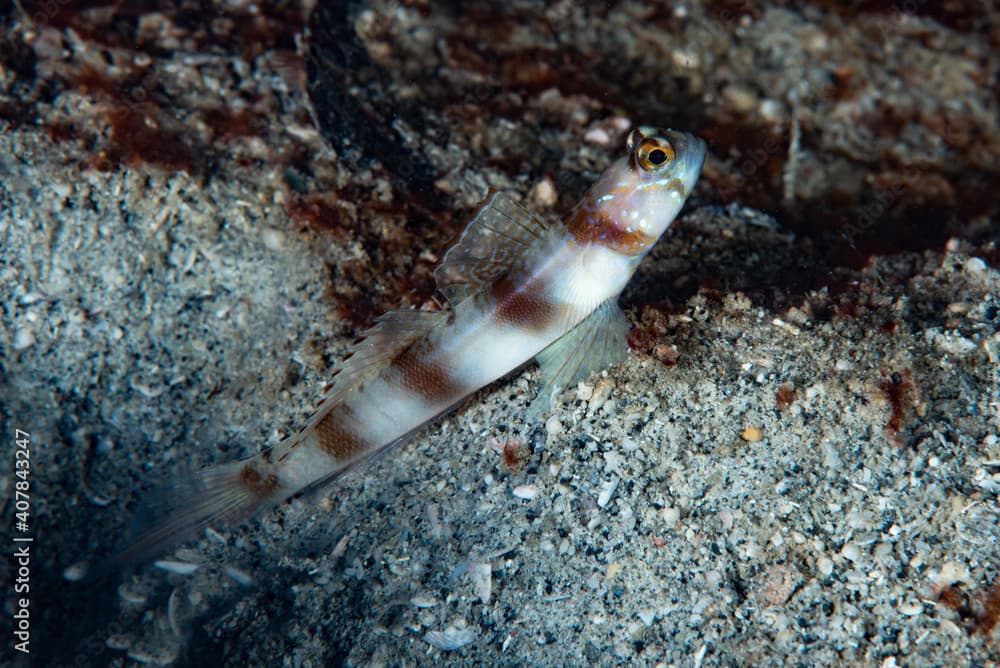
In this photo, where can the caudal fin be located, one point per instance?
(182, 508)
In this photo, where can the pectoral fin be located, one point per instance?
(597, 343)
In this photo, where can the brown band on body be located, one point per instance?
(522, 303)
(336, 438)
(260, 485)
(424, 376)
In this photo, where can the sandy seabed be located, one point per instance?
(798, 463)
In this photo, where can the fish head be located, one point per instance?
(640, 195)
(665, 165)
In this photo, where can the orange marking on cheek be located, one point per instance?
(597, 228)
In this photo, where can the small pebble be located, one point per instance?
(273, 239)
(76, 572)
(553, 426)
(602, 390)
(242, 578)
(527, 492)
(771, 110)
(607, 491)
(851, 552)
(752, 434)
(23, 338)
(975, 265)
(666, 353)
(178, 567)
(453, 637)
(481, 575)
(741, 98)
(788, 327)
(597, 136)
(130, 597)
(825, 567)
(544, 193)
(423, 601)
(685, 59)
(671, 516)
(883, 551)
(952, 572)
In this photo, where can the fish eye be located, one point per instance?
(654, 153)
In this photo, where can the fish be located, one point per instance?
(515, 289)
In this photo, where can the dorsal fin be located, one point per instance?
(376, 347)
(494, 241)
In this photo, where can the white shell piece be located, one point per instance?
(242, 578)
(481, 576)
(453, 637)
(179, 567)
(527, 492)
(607, 491)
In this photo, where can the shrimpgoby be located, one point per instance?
(517, 289)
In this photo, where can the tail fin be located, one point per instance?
(182, 508)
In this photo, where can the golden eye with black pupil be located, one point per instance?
(654, 153)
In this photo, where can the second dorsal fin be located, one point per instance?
(376, 347)
(494, 241)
